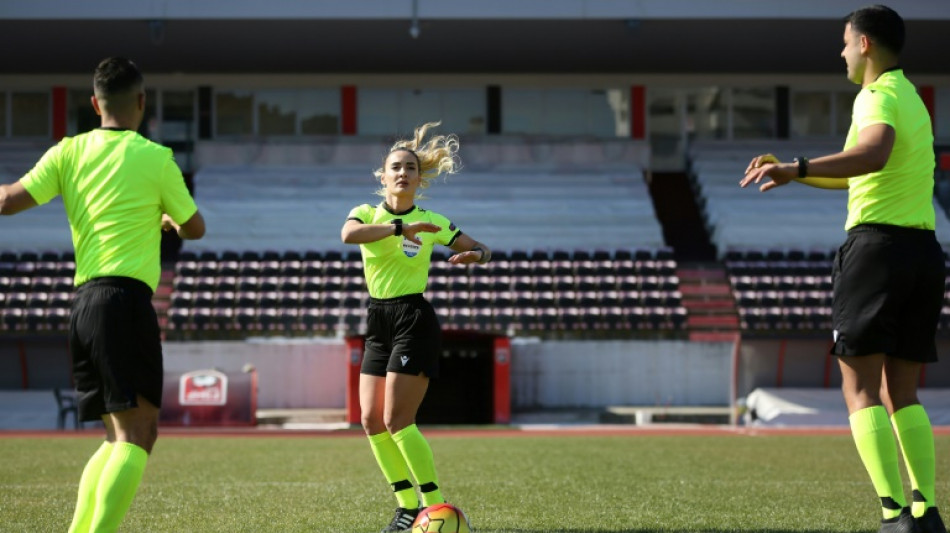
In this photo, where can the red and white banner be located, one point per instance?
(203, 387)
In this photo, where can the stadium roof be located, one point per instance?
(454, 36)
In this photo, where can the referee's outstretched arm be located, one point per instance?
(14, 198)
(469, 251)
(191, 229)
(870, 154)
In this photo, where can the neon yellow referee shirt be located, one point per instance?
(115, 185)
(901, 193)
(394, 266)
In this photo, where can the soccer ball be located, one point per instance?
(441, 518)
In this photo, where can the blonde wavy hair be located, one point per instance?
(436, 156)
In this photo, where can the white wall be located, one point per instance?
(544, 374)
(806, 363)
(290, 375)
(594, 374)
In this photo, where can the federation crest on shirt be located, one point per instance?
(410, 248)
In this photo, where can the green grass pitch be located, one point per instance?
(572, 483)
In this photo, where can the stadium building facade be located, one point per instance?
(244, 90)
(666, 72)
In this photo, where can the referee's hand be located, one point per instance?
(168, 224)
(768, 166)
(465, 258)
(409, 231)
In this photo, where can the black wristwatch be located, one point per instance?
(802, 166)
(398, 223)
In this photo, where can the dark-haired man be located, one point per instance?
(889, 273)
(120, 190)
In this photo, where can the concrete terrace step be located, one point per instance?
(705, 290)
(163, 291)
(719, 305)
(700, 275)
(712, 321)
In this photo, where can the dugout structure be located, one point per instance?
(473, 386)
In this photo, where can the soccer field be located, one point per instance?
(569, 482)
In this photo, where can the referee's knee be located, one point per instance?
(143, 435)
(396, 423)
(137, 427)
(372, 423)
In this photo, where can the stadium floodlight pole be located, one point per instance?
(414, 27)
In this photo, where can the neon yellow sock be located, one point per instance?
(916, 438)
(86, 501)
(874, 439)
(415, 449)
(117, 485)
(394, 469)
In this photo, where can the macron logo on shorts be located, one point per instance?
(404, 359)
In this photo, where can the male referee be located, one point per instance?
(889, 273)
(120, 190)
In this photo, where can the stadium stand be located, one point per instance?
(45, 228)
(578, 253)
(35, 290)
(293, 208)
(778, 247)
(789, 291)
(275, 265)
(34, 229)
(16, 157)
(518, 293)
(795, 218)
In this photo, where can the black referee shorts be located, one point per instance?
(888, 293)
(403, 335)
(115, 343)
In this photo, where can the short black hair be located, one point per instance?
(881, 24)
(116, 75)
